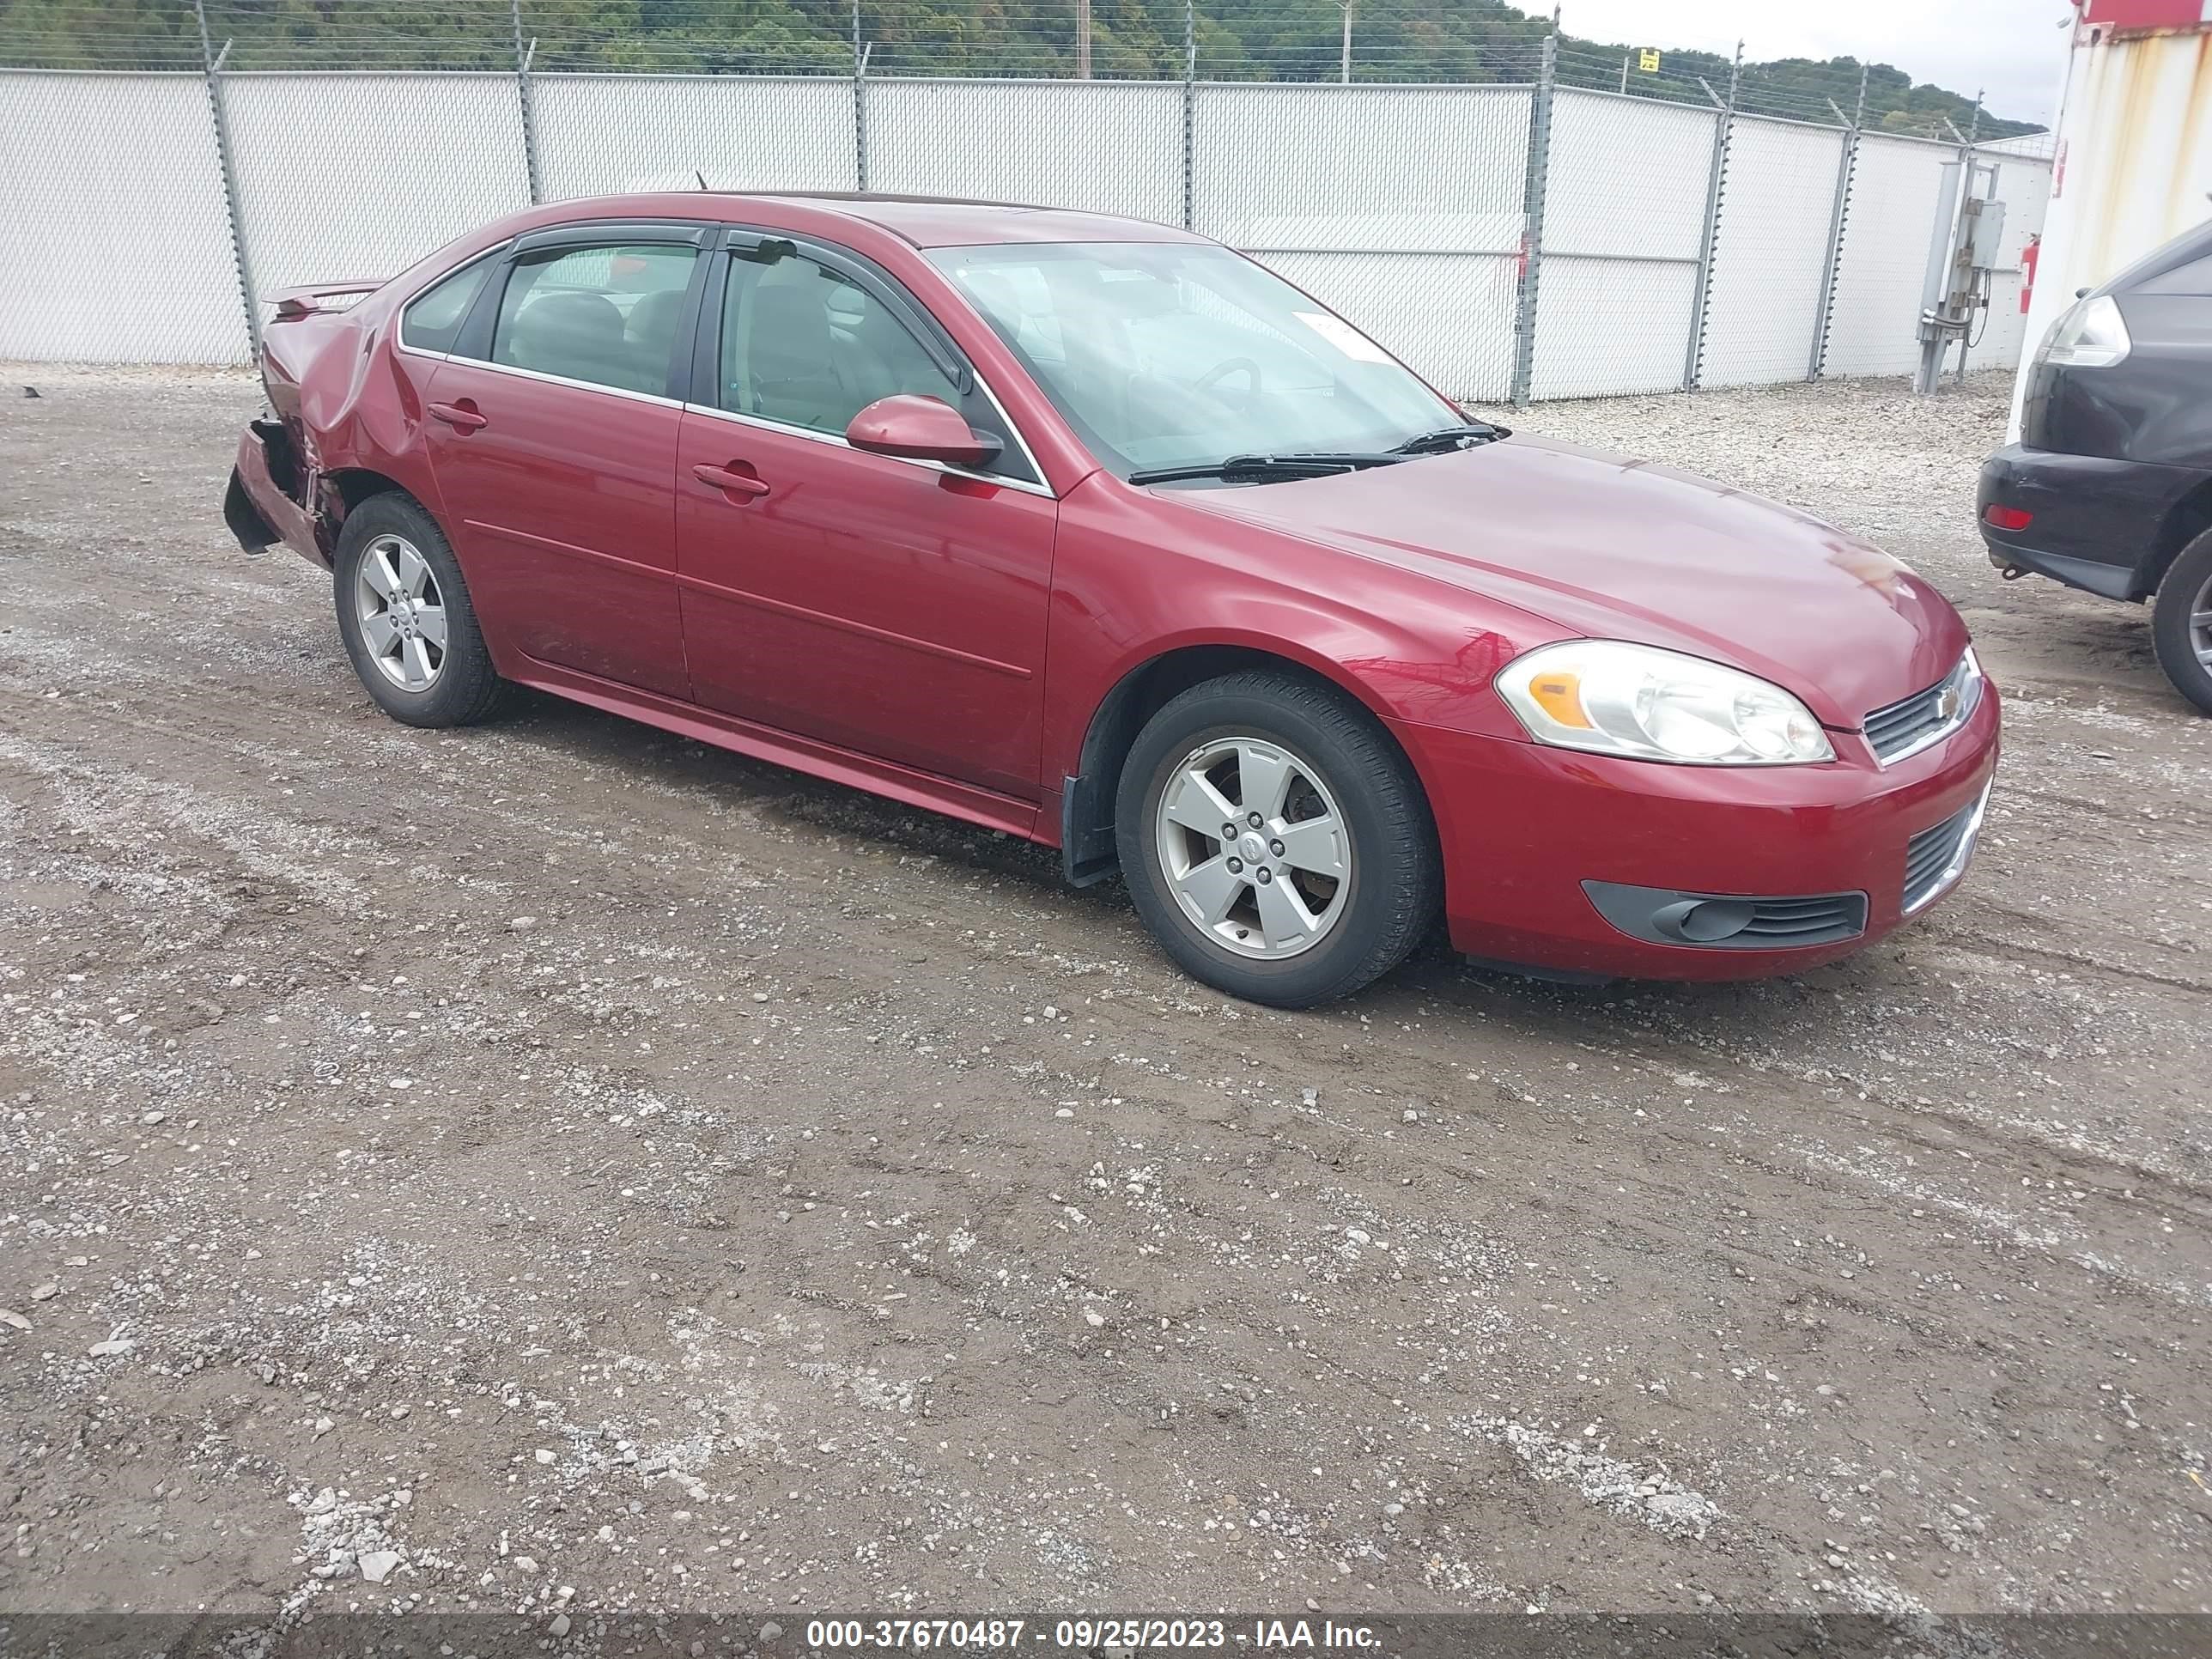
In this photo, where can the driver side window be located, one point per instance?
(804, 345)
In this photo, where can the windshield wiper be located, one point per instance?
(1444, 440)
(1261, 468)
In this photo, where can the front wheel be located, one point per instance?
(2181, 622)
(1275, 840)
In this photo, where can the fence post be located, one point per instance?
(1189, 113)
(233, 203)
(1694, 356)
(860, 104)
(1533, 182)
(1839, 218)
(523, 55)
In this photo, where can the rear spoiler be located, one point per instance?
(294, 303)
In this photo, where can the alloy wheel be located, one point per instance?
(402, 613)
(1253, 847)
(2200, 624)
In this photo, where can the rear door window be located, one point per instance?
(607, 314)
(433, 318)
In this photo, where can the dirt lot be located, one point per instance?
(605, 1173)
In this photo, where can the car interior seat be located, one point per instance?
(651, 332)
(575, 334)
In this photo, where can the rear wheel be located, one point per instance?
(2181, 622)
(404, 614)
(1275, 840)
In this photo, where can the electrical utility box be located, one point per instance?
(1963, 254)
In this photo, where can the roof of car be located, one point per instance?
(952, 222)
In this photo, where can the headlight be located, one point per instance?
(1636, 700)
(2091, 335)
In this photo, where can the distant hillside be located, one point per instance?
(1425, 40)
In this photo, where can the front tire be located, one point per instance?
(2181, 622)
(1274, 841)
(404, 615)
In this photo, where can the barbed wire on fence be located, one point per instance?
(1366, 42)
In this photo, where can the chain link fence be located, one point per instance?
(1529, 235)
(1625, 211)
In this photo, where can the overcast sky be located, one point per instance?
(2013, 48)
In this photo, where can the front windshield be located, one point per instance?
(1163, 355)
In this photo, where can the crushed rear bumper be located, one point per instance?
(256, 507)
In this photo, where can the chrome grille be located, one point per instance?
(1937, 856)
(1910, 725)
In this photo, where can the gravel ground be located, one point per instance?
(556, 1167)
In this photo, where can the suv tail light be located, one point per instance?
(2091, 335)
(2006, 518)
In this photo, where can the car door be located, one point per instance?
(553, 436)
(894, 607)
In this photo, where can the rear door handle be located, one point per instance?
(744, 486)
(459, 416)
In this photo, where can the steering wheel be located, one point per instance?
(1228, 366)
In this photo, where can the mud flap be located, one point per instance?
(1087, 854)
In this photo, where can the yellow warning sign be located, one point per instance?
(1648, 61)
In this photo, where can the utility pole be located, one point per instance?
(1083, 39)
(1344, 57)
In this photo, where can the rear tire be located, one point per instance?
(404, 615)
(2181, 622)
(1337, 881)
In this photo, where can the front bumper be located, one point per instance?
(2097, 521)
(1525, 827)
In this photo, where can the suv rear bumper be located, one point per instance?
(2096, 521)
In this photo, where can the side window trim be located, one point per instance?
(584, 233)
(705, 390)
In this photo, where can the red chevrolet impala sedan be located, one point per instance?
(1096, 532)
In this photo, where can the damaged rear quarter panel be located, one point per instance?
(354, 403)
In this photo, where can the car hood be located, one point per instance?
(1610, 548)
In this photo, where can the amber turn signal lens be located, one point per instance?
(1560, 695)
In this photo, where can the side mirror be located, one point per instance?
(920, 428)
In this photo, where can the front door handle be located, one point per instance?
(461, 416)
(739, 486)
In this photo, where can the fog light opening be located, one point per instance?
(1704, 922)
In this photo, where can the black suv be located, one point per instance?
(2110, 488)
